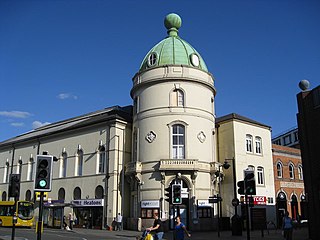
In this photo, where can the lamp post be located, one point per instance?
(236, 220)
(226, 165)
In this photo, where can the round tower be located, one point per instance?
(173, 128)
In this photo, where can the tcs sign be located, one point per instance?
(260, 200)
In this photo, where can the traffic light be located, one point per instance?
(251, 201)
(176, 194)
(240, 185)
(43, 178)
(168, 194)
(250, 183)
(14, 185)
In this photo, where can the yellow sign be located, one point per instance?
(45, 196)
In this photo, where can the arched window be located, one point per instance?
(77, 193)
(63, 165)
(260, 173)
(79, 163)
(178, 141)
(249, 143)
(258, 144)
(62, 194)
(279, 170)
(300, 172)
(177, 98)
(30, 168)
(28, 195)
(291, 171)
(99, 192)
(4, 196)
(19, 167)
(101, 159)
(6, 172)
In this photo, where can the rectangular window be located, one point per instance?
(204, 212)
(287, 140)
(249, 143)
(178, 142)
(260, 173)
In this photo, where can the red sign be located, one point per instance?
(260, 200)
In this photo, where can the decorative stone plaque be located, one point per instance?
(201, 136)
(151, 136)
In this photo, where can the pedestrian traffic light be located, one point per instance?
(43, 178)
(176, 194)
(250, 183)
(251, 201)
(168, 194)
(240, 185)
(14, 185)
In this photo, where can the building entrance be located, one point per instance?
(281, 208)
(182, 209)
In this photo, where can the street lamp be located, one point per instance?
(236, 221)
(226, 165)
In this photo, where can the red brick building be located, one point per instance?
(288, 180)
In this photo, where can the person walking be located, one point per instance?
(119, 222)
(70, 221)
(179, 230)
(287, 226)
(157, 227)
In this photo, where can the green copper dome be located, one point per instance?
(173, 50)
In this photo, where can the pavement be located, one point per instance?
(298, 234)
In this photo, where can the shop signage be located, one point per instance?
(150, 204)
(260, 200)
(87, 203)
(204, 203)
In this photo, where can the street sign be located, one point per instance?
(235, 202)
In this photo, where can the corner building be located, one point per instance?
(173, 132)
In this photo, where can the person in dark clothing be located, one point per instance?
(157, 227)
(287, 226)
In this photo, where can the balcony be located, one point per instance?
(183, 165)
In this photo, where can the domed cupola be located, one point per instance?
(173, 50)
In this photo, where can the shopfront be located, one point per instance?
(88, 213)
(53, 213)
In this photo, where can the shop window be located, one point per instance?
(149, 212)
(204, 212)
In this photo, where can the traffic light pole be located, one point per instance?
(39, 226)
(247, 220)
(13, 233)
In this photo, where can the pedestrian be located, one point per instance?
(287, 226)
(119, 222)
(70, 221)
(179, 230)
(157, 227)
(65, 225)
(113, 224)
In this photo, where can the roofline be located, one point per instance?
(235, 116)
(115, 112)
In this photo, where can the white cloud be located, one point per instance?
(37, 124)
(63, 96)
(15, 114)
(17, 124)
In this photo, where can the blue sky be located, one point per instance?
(62, 59)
